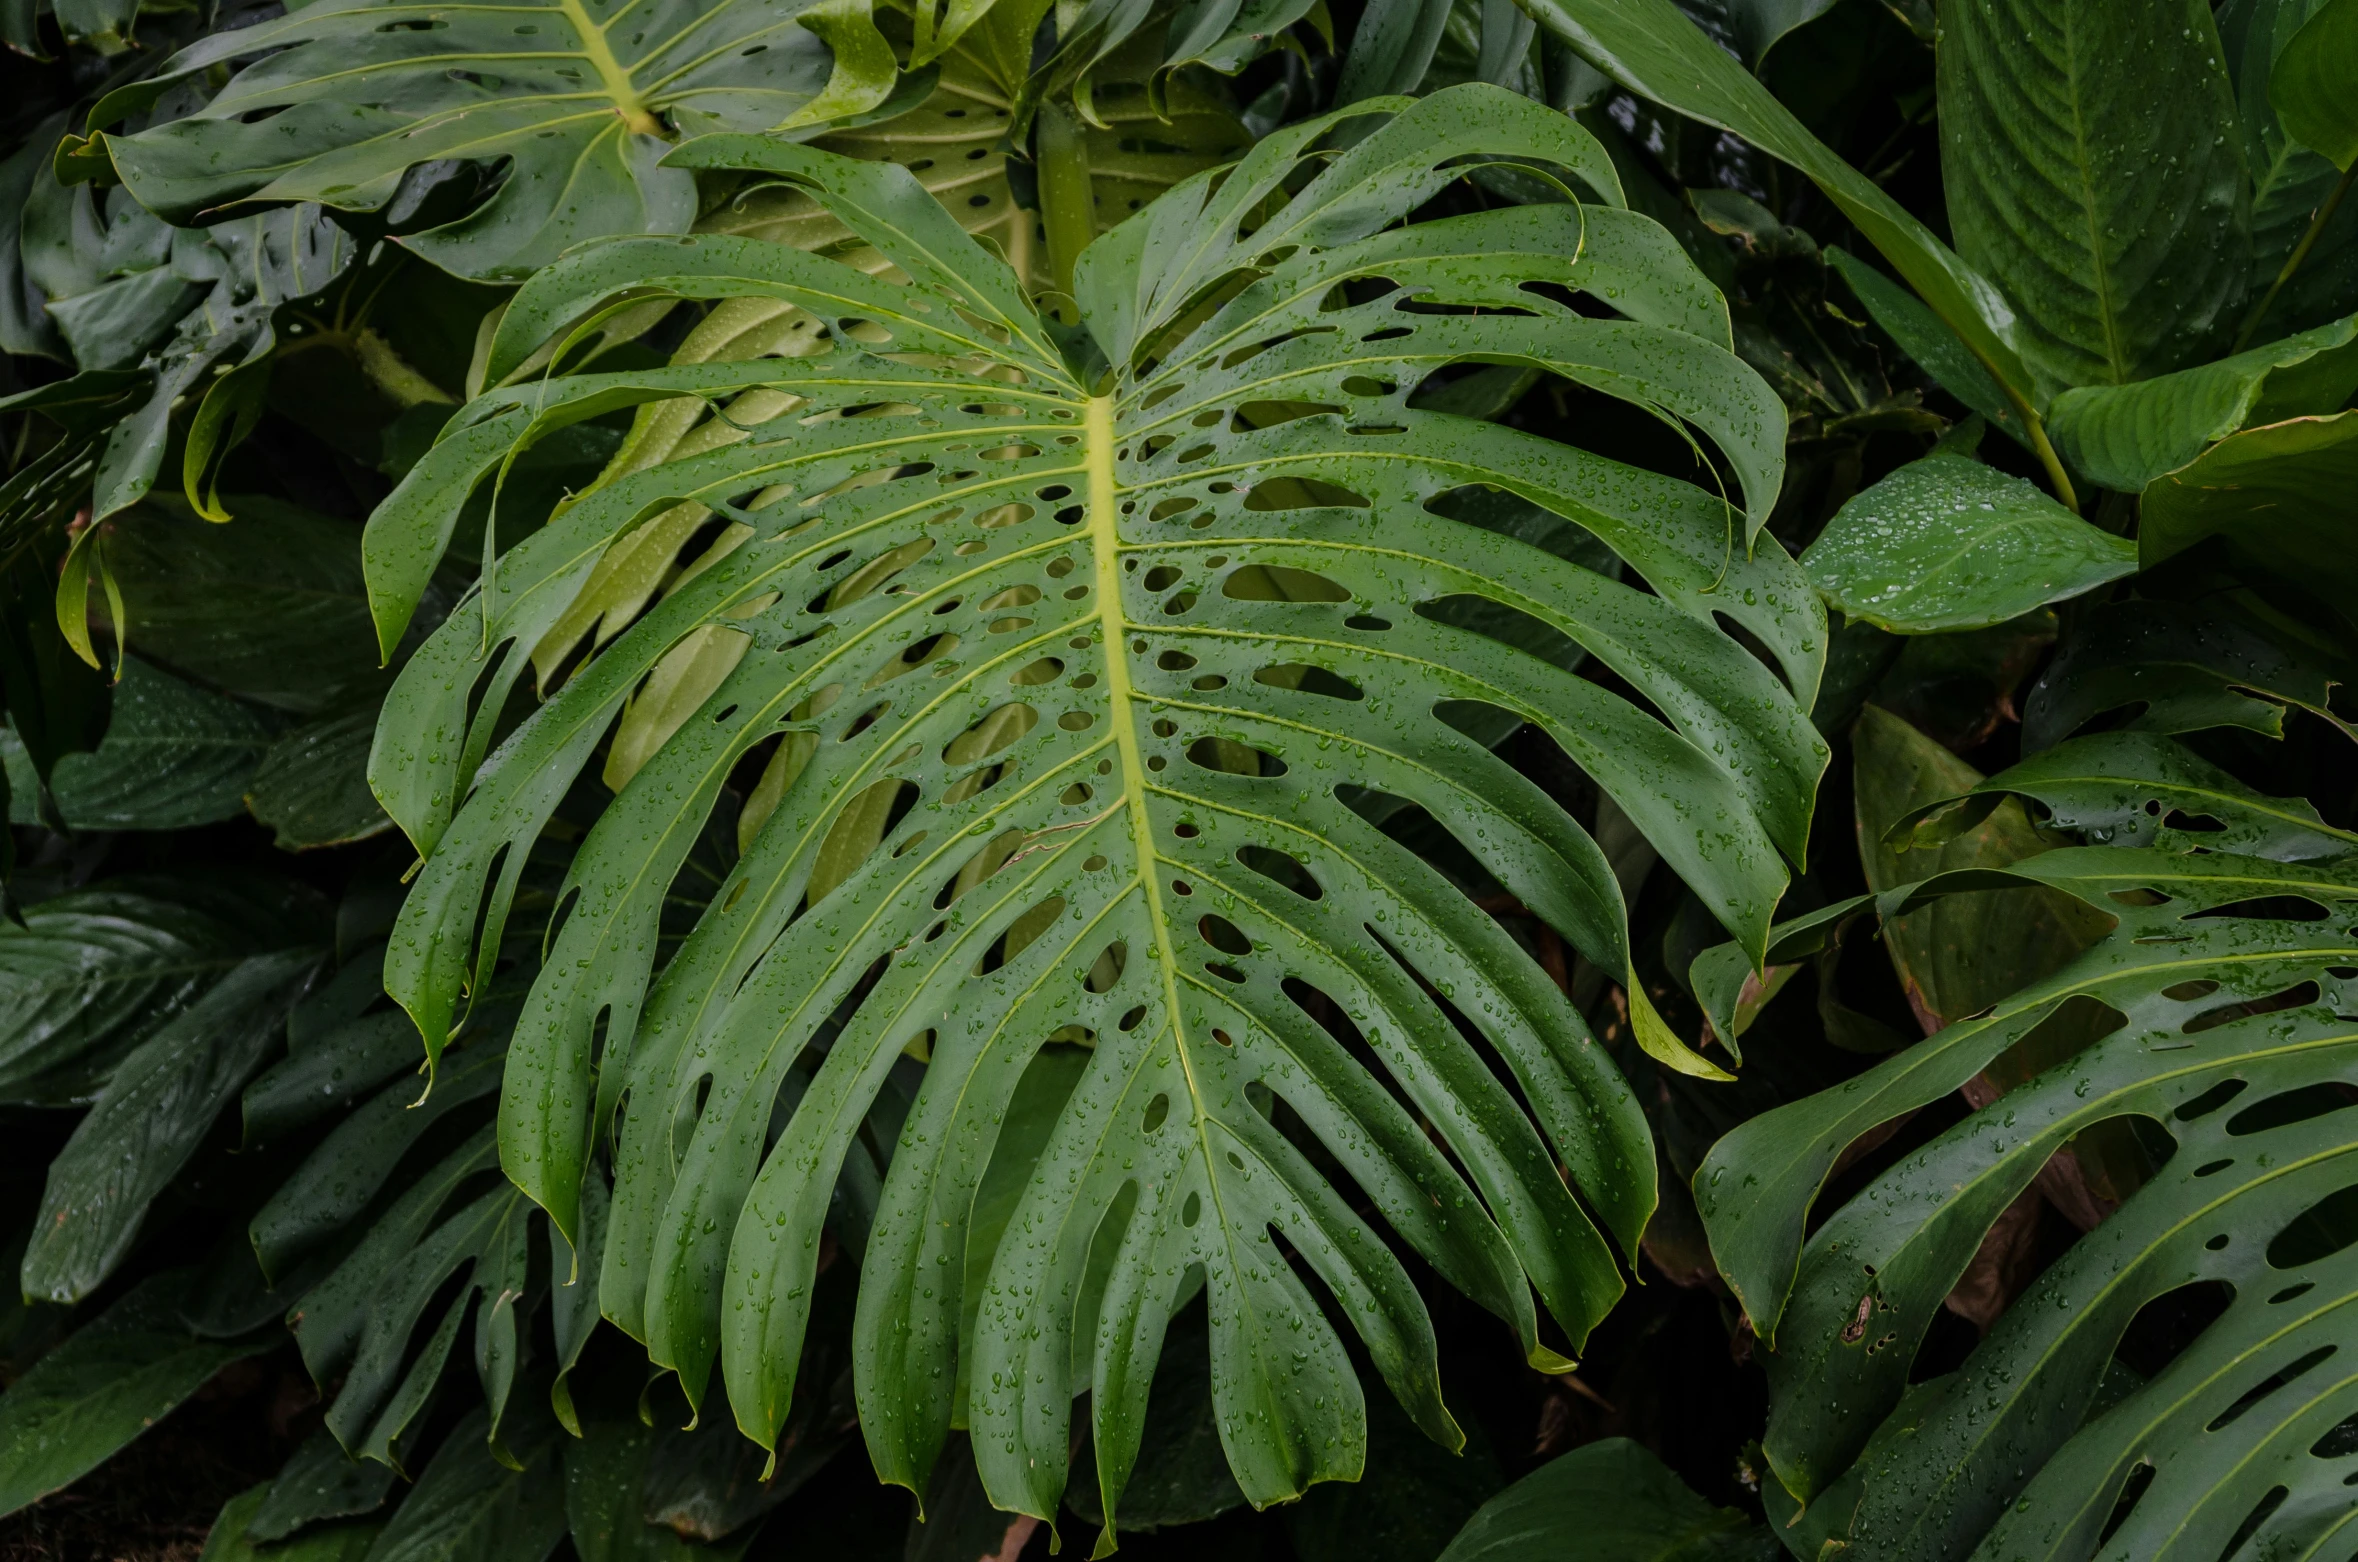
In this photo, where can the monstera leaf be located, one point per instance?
(343, 98)
(1058, 669)
(2217, 1006)
(956, 143)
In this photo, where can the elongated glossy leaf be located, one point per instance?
(155, 1109)
(2231, 1009)
(25, 325)
(174, 755)
(1652, 48)
(111, 1380)
(2310, 85)
(455, 1246)
(2126, 436)
(583, 99)
(1124, 640)
(2277, 495)
(1610, 1501)
(340, 1178)
(1937, 350)
(329, 1075)
(2089, 154)
(1947, 543)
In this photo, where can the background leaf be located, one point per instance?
(1611, 1501)
(1947, 543)
(582, 99)
(174, 755)
(2290, 182)
(2125, 436)
(143, 1127)
(2309, 84)
(2089, 154)
(111, 1379)
(2273, 494)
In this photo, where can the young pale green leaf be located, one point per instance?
(581, 97)
(111, 1380)
(1610, 1501)
(2310, 85)
(2125, 436)
(2227, 996)
(160, 1102)
(1065, 678)
(2090, 158)
(1947, 543)
(2278, 497)
(955, 142)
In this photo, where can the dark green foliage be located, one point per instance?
(1096, 756)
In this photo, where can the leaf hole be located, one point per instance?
(1224, 935)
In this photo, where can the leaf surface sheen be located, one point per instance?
(2091, 161)
(2227, 978)
(1074, 673)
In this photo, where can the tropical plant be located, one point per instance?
(1392, 848)
(1167, 514)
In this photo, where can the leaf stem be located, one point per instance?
(2036, 427)
(1068, 206)
(2292, 262)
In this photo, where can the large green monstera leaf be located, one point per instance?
(2219, 1010)
(1060, 670)
(580, 99)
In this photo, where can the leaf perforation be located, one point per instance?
(959, 859)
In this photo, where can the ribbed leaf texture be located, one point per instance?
(1062, 671)
(2215, 1016)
